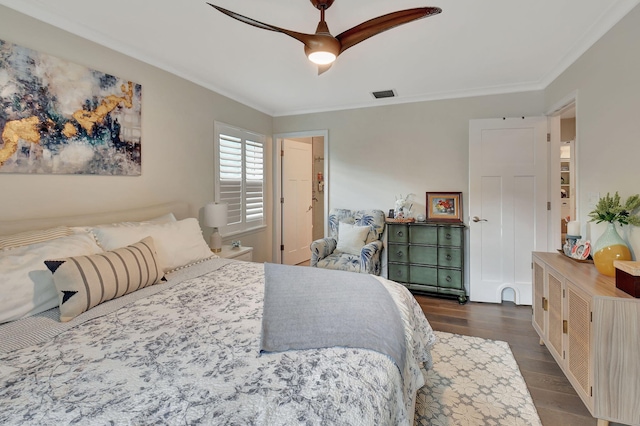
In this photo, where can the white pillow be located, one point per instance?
(177, 243)
(33, 237)
(165, 218)
(169, 217)
(351, 238)
(26, 285)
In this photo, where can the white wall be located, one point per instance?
(177, 139)
(607, 81)
(376, 154)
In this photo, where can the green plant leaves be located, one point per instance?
(610, 209)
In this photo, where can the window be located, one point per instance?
(240, 176)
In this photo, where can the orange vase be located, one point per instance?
(609, 247)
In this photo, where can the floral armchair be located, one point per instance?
(326, 253)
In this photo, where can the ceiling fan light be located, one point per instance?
(322, 57)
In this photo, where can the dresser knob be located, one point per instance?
(448, 279)
(400, 254)
(448, 236)
(448, 257)
(400, 234)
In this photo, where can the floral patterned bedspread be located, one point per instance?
(190, 355)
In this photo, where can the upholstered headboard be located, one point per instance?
(179, 209)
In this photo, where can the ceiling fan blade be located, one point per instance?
(374, 26)
(302, 37)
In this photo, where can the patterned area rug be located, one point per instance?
(474, 381)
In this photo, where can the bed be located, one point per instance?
(187, 349)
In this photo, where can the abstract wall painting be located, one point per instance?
(57, 117)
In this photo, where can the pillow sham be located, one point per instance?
(165, 218)
(86, 281)
(178, 243)
(26, 285)
(169, 217)
(33, 237)
(351, 238)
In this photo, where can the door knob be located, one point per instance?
(310, 207)
(477, 219)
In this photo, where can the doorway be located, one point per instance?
(317, 198)
(296, 202)
(563, 170)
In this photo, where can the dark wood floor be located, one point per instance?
(556, 401)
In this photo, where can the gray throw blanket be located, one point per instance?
(312, 308)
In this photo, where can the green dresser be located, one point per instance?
(427, 257)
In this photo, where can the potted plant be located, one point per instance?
(610, 246)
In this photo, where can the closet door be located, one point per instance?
(508, 205)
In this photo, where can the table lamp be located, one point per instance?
(215, 216)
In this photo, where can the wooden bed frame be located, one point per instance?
(179, 209)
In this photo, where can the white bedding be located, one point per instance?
(187, 351)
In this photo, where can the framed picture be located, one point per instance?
(59, 117)
(444, 206)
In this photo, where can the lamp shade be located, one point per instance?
(215, 215)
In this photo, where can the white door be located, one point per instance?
(297, 209)
(507, 206)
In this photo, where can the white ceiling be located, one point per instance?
(474, 47)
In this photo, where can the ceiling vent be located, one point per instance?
(384, 94)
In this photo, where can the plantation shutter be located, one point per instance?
(254, 178)
(231, 177)
(240, 177)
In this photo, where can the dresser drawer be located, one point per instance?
(423, 255)
(398, 253)
(248, 257)
(399, 273)
(450, 236)
(398, 234)
(423, 275)
(449, 279)
(423, 288)
(450, 257)
(240, 253)
(424, 234)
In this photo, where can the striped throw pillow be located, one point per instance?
(33, 237)
(83, 282)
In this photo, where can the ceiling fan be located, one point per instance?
(322, 48)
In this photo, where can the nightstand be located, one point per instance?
(240, 253)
